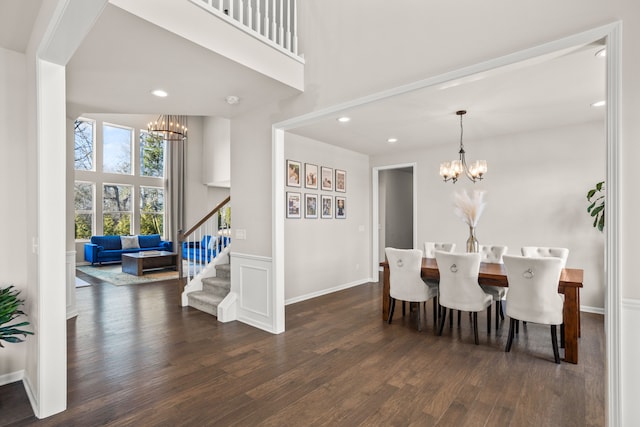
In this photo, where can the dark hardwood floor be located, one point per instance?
(136, 358)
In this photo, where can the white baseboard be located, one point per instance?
(32, 396)
(595, 310)
(11, 377)
(328, 291)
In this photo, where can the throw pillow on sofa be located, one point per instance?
(129, 242)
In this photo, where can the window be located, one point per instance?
(84, 194)
(116, 209)
(151, 155)
(84, 143)
(116, 149)
(151, 210)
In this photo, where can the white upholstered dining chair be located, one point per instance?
(493, 254)
(405, 282)
(430, 248)
(459, 288)
(542, 252)
(533, 294)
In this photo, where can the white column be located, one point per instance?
(287, 43)
(295, 27)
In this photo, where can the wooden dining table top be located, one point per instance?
(496, 274)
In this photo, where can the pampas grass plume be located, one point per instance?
(469, 207)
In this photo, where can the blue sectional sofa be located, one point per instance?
(109, 248)
(204, 250)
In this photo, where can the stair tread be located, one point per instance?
(216, 280)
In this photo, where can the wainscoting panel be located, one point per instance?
(630, 355)
(251, 280)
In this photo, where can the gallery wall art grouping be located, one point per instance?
(316, 178)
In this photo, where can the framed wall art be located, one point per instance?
(327, 178)
(293, 205)
(311, 176)
(293, 173)
(341, 207)
(341, 181)
(311, 206)
(327, 206)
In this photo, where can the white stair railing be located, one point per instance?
(274, 22)
(203, 243)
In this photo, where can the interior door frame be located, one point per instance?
(375, 211)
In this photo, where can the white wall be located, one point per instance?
(536, 189)
(324, 255)
(13, 190)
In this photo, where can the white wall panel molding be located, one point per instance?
(629, 355)
(252, 282)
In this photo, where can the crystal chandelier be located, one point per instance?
(169, 128)
(450, 171)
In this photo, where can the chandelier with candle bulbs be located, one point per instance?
(450, 171)
(169, 127)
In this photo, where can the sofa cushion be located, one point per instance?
(129, 242)
(149, 241)
(107, 242)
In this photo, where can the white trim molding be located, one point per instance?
(11, 377)
(328, 291)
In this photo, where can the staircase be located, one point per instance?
(214, 289)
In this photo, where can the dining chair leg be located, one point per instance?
(419, 321)
(512, 327)
(435, 310)
(517, 326)
(450, 317)
(459, 317)
(501, 309)
(475, 327)
(498, 313)
(403, 309)
(489, 320)
(392, 305)
(562, 336)
(554, 342)
(442, 319)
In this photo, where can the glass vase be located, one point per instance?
(472, 242)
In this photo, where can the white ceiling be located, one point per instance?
(123, 58)
(546, 92)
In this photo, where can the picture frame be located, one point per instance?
(341, 207)
(311, 176)
(326, 175)
(341, 181)
(311, 206)
(327, 206)
(293, 173)
(294, 205)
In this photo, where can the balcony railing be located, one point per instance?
(271, 21)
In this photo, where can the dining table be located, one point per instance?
(496, 275)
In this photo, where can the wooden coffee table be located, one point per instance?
(137, 262)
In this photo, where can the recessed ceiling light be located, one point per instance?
(599, 104)
(392, 140)
(159, 93)
(601, 53)
(232, 99)
(344, 119)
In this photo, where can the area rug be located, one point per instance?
(113, 274)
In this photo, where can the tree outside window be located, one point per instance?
(117, 210)
(151, 210)
(84, 143)
(84, 194)
(151, 155)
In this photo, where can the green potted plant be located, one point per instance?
(595, 196)
(10, 310)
